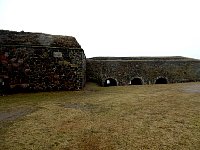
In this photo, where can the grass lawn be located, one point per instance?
(122, 118)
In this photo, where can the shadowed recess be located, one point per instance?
(136, 81)
(161, 81)
(110, 82)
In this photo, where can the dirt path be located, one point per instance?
(15, 114)
(192, 88)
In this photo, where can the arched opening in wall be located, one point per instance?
(136, 81)
(110, 82)
(161, 81)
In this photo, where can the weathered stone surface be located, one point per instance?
(39, 39)
(148, 69)
(41, 62)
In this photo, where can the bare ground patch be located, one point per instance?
(15, 114)
(192, 88)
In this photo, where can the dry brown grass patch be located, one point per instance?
(130, 117)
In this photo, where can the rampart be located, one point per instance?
(41, 62)
(142, 70)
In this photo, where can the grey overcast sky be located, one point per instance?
(112, 27)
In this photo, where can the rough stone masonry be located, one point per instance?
(41, 62)
(112, 71)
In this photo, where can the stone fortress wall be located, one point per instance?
(108, 71)
(41, 62)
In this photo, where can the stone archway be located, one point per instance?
(110, 82)
(136, 81)
(161, 80)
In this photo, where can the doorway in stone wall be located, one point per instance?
(136, 81)
(161, 80)
(110, 82)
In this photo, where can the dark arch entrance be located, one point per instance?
(136, 81)
(161, 81)
(110, 82)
